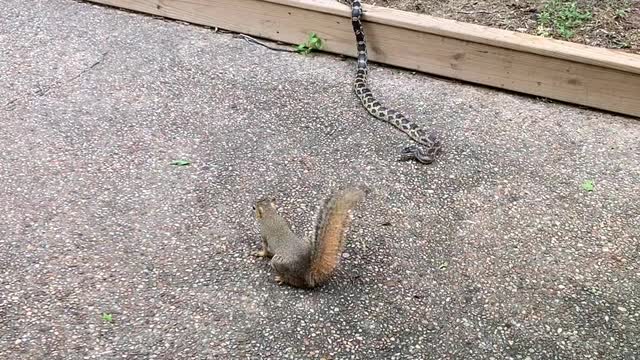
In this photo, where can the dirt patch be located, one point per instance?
(611, 24)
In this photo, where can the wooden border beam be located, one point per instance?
(599, 78)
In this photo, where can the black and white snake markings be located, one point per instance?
(428, 145)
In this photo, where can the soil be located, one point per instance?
(613, 24)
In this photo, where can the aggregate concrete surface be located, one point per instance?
(494, 251)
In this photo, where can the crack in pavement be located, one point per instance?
(43, 90)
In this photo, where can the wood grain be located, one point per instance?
(599, 78)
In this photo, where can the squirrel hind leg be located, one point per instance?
(286, 273)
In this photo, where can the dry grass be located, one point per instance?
(613, 23)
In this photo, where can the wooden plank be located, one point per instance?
(599, 78)
(615, 59)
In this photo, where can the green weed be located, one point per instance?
(622, 9)
(312, 43)
(561, 17)
(106, 317)
(588, 185)
(181, 162)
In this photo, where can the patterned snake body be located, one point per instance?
(428, 145)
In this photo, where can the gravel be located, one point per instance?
(495, 251)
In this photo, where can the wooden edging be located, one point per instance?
(599, 78)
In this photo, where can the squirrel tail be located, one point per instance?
(332, 224)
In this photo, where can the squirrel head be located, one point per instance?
(264, 205)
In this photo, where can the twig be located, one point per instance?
(475, 12)
(43, 90)
(252, 40)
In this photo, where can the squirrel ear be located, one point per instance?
(258, 210)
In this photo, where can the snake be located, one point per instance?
(428, 145)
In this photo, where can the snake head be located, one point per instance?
(420, 153)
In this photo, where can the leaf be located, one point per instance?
(588, 185)
(106, 317)
(302, 49)
(313, 42)
(181, 162)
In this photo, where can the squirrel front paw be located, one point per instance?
(262, 254)
(279, 280)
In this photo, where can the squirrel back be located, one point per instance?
(301, 263)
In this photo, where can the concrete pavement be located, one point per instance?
(494, 251)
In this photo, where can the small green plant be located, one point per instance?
(561, 17)
(622, 44)
(588, 185)
(107, 317)
(181, 162)
(622, 9)
(312, 43)
(621, 13)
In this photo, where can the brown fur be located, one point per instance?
(333, 222)
(298, 262)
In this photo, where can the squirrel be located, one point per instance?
(306, 263)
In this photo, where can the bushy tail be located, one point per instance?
(333, 222)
